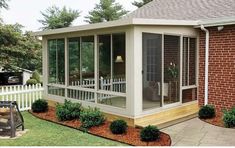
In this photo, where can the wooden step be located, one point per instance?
(169, 117)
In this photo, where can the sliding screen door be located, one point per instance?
(152, 70)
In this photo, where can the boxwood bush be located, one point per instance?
(91, 117)
(206, 112)
(150, 133)
(68, 111)
(31, 82)
(118, 127)
(229, 118)
(40, 106)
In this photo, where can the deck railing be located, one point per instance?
(24, 95)
(116, 85)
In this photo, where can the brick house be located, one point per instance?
(156, 65)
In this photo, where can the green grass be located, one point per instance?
(43, 133)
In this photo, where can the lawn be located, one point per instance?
(43, 133)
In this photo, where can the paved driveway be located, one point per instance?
(195, 132)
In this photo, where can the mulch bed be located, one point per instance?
(217, 120)
(132, 137)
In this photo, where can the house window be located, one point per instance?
(112, 68)
(189, 92)
(56, 51)
(81, 62)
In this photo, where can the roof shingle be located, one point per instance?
(185, 9)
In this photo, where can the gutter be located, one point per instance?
(206, 63)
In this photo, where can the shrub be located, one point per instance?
(31, 82)
(36, 76)
(150, 133)
(68, 111)
(118, 127)
(206, 112)
(91, 117)
(40, 106)
(229, 118)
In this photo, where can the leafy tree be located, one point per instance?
(3, 4)
(140, 4)
(106, 10)
(18, 49)
(54, 17)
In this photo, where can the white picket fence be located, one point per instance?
(116, 85)
(24, 95)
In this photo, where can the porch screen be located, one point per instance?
(189, 92)
(56, 61)
(81, 61)
(112, 69)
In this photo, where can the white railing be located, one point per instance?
(116, 85)
(24, 95)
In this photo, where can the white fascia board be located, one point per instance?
(216, 22)
(121, 22)
(140, 21)
(84, 27)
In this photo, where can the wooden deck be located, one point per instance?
(169, 117)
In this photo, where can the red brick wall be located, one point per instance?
(221, 67)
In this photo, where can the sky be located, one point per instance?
(27, 12)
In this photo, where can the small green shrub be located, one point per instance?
(206, 112)
(40, 106)
(91, 117)
(31, 82)
(68, 111)
(229, 118)
(36, 76)
(150, 133)
(118, 127)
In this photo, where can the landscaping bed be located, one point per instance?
(131, 137)
(225, 118)
(217, 120)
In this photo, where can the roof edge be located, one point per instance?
(121, 22)
(84, 27)
(216, 22)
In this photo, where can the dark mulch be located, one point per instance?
(132, 136)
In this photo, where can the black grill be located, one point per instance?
(10, 118)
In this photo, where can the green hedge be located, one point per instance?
(91, 117)
(150, 133)
(229, 118)
(40, 106)
(68, 111)
(206, 112)
(118, 127)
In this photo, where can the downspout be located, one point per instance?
(206, 63)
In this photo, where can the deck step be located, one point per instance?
(169, 117)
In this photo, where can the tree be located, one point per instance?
(54, 17)
(106, 10)
(3, 4)
(140, 4)
(18, 49)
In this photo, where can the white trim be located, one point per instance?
(117, 23)
(216, 22)
(189, 87)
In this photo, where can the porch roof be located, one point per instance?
(167, 12)
(117, 23)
